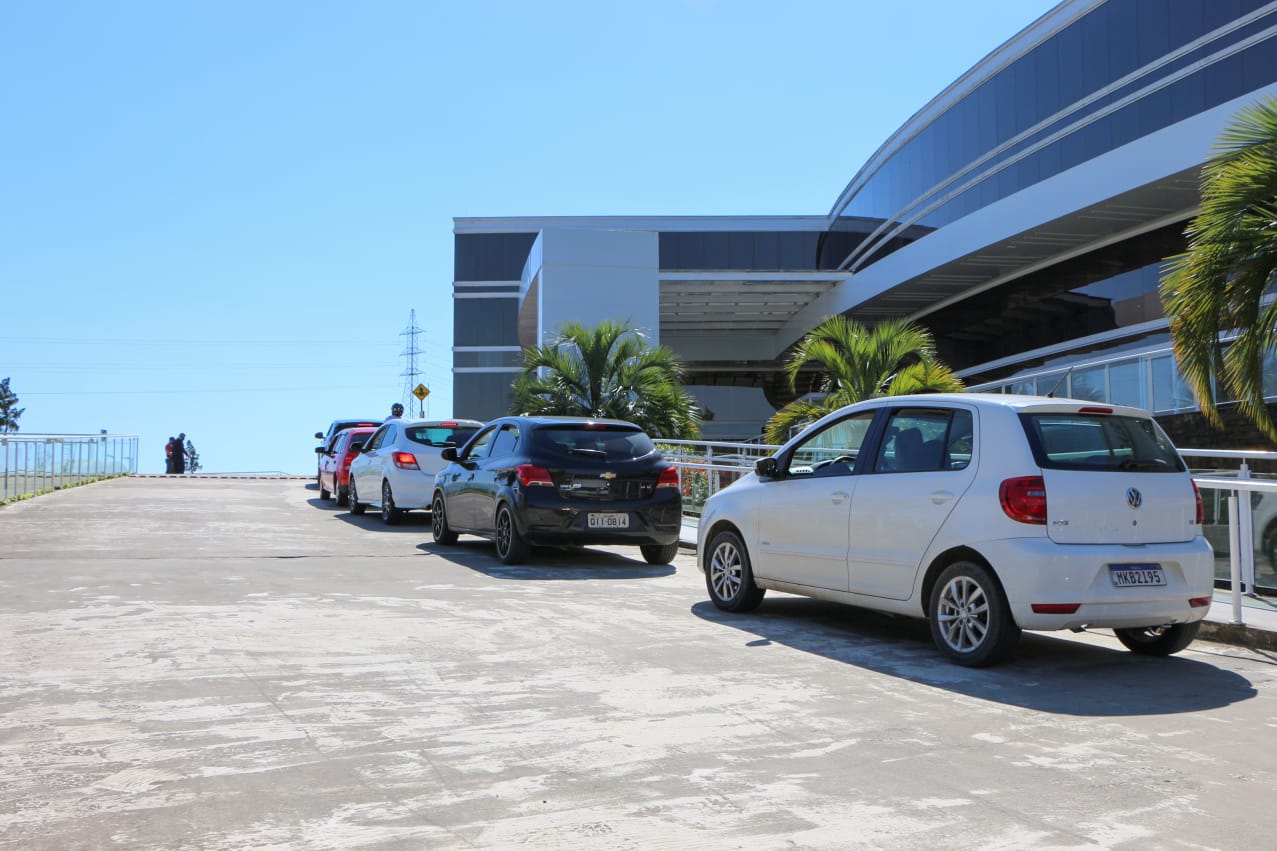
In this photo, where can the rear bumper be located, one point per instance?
(1038, 571)
(548, 518)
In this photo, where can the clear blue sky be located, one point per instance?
(216, 217)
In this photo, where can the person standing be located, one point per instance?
(396, 412)
(179, 454)
(168, 454)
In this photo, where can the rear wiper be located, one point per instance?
(592, 453)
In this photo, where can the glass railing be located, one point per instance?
(35, 463)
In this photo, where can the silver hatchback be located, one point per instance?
(986, 514)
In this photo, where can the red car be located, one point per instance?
(334, 465)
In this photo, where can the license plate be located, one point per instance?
(1136, 575)
(608, 521)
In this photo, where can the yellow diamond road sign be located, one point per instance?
(421, 391)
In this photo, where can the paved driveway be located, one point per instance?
(231, 664)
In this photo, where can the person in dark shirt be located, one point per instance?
(179, 454)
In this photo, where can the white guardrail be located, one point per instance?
(706, 467)
(35, 463)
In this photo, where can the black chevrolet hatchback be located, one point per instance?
(527, 481)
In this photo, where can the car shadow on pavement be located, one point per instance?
(547, 562)
(415, 522)
(1049, 674)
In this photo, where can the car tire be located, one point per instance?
(389, 513)
(511, 548)
(1158, 640)
(729, 577)
(342, 495)
(356, 507)
(971, 622)
(439, 527)
(659, 553)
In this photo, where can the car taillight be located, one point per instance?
(530, 475)
(405, 461)
(1197, 494)
(1024, 499)
(668, 479)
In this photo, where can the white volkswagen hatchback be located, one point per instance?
(986, 514)
(395, 470)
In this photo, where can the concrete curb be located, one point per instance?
(1238, 634)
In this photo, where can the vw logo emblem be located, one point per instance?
(1133, 498)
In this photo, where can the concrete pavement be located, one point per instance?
(230, 664)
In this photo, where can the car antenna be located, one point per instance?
(1066, 374)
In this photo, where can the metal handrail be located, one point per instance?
(34, 463)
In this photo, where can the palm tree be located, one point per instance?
(607, 371)
(1220, 282)
(893, 358)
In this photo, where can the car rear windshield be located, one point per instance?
(607, 443)
(1103, 442)
(440, 435)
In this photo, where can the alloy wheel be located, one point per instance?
(963, 614)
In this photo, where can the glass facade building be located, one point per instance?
(1023, 215)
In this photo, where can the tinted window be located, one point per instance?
(485, 321)
(1098, 442)
(506, 442)
(601, 442)
(479, 449)
(920, 440)
(439, 435)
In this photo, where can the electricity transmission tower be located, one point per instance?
(411, 374)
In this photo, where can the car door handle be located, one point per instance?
(838, 496)
(941, 497)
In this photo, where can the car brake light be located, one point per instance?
(1199, 602)
(1197, 494)
(1024, 499)
(1094, 410)
(530, 475)
(405, 461)
(448, 424)
(1055, 608)
(668, 479)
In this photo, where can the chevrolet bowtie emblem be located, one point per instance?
(609, 475)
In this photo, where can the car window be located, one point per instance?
(925, 439)
(833, 450)
(339, 445)
(1085, 441)
(377, 440)
(356, 441)
(481, 445)
(605, 443)
(439, 436)
(506, 442)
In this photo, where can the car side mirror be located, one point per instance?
(319, 435)
(356, 447)
(449, 453)
(765, 468)
(321, 450)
